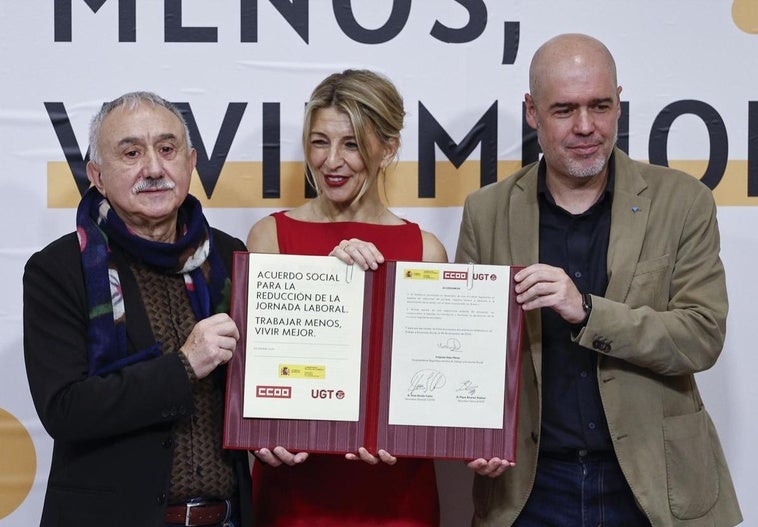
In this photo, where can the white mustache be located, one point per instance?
(153, 184)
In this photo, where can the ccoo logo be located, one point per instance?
(274, 392)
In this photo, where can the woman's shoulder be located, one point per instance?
(262, 237)
(433, 249)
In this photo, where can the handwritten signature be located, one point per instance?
(425, 381)
(452, 344)
(469, 387)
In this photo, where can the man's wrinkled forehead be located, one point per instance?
(125, 125)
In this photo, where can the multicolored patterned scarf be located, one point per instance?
(192, 255)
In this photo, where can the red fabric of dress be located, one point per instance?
(328, 490)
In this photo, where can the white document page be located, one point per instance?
(304, 337)
(449, 345)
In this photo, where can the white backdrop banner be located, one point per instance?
(242, 71)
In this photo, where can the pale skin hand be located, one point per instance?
(355, 251)
(365, 456)
(281, 456)
(538, 286)
(541, 285)
(490, 467)
(367, 256)
(211, 342)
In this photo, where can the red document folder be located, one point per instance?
(372, 429)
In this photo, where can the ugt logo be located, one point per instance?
(327, 394)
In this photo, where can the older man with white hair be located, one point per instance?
(126, 335)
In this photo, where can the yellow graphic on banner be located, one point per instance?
(745, 15)
(241, 184)
(422, 274)
(18, 460)
(302, 371)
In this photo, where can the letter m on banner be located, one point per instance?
(127, 19)
(431, 133)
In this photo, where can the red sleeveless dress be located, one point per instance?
(328, 490)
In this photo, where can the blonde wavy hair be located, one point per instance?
(371, 103)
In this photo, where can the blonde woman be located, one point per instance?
(351, 134)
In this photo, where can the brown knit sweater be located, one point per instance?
(201, 468)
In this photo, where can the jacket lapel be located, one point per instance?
(524, 231)
(629, 217)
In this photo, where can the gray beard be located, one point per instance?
(587, 171)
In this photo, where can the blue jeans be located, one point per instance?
(578, 491)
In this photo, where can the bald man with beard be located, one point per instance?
(625, 300)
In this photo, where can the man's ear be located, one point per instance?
(531, 112)
(95, 177)
(193, 160)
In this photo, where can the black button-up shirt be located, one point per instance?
(572, 412)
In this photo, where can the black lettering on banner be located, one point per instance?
(56, 111)
(343, 12)
(530, 147)
(752, 149)
(176, 32)
(209, 167)
(127, 19)
(622, 141)
(719, 152)
(511, 39)
(295, 12)
(477, 23)
(431, 133)
(271, 157)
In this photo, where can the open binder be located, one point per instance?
(373, 427)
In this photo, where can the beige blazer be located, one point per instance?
(663, 318)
